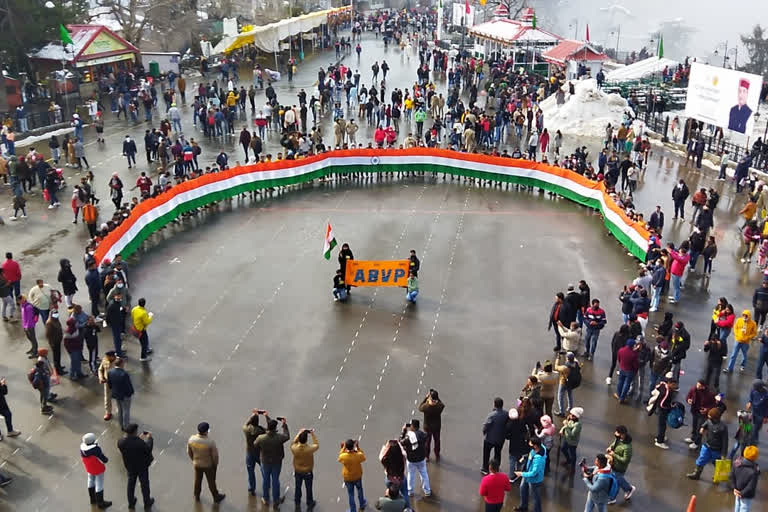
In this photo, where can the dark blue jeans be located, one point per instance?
(351, 486)
(270, 473)
(527, 488)
(306, 478)
(117, 340)
(250, 470)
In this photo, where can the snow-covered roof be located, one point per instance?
(506, 31)
(82, 36)
(640, 69)
(570, 49)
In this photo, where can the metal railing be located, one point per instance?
(39, 120)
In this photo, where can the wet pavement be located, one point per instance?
(244, 319)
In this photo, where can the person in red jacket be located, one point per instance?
(94, 462)
(628, 364)
(725, 321)
(12, 273)
(493, 487)
(680, 259)
(379, 135)
(701, 399)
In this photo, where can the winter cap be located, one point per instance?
(570, 287)
(546, 420)
(631, 342)
(513, 414)
(202, 428)
(89, 438)
(669, 375)
(751, 453)
(577, 411)
(570, 356)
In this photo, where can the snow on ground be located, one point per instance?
(33, 139)
(585, 113)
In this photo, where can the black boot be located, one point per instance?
(92, 494)
(696, 473)
(100, 501)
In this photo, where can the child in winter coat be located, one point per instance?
(743, 435)
(570, 433)
(19, 203)
(547, 436)
(761, 261)
(94, 462)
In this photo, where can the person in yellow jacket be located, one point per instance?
(744, 331)
(232, 99)
(303, 464)
(352, 458)
(141, 320)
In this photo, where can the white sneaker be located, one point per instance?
(628, 495)
(145, 359)
(663, 446)
(23, 216)
(51, 207)
(688, 440)
(693, 446)
(608, 381)
(11, 218)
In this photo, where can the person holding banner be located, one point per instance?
(339, 286)
(345, 254)
(412, 289)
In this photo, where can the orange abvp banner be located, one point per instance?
(377, 273)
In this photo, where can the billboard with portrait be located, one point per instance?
(723, 97)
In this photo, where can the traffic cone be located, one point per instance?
(692, 504)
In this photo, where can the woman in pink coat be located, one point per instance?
(544, 141)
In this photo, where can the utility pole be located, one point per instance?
(725, 54)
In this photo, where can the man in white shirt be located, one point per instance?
(40, 297)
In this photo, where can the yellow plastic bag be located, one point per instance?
(722, 471)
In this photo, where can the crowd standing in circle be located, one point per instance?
(546, 415)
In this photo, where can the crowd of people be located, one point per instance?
(487, 104)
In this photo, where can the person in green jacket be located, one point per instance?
(570, 433)
(412, 289)
(619, 456)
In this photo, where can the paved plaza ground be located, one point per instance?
(244, 319)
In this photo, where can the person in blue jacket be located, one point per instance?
(533, 476)
(758, 405)
(599, 482)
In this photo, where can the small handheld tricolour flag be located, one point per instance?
(329, 242)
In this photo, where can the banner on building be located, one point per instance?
(377, 273)
(723, 97)
(460, 11)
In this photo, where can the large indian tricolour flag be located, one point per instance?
(329, 243)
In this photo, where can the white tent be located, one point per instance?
(267, 37)
(640, 69)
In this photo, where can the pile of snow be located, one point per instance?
(45, 137)
(585, 113)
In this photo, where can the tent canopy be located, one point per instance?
(514, 32)
(640, 69)
(267, 37)
(570, 49)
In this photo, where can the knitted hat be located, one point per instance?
(89, 439)
(577, 411)
(513, 414)
(751, 453)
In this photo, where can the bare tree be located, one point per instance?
(134, 15)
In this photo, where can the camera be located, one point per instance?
(584, 468)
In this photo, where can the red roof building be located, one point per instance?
(570, 54)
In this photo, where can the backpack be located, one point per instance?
(34, 378)
(614, 491)
(573, 380)
(676, 416)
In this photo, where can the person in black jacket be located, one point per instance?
(679, 195)
(137, 457)
(656, 222)
(716, 351)
(413, 440)
(68, 281)
(679, 343)
(494, 431)
(517, 434)
(129, 150)
(432, 407)
(560, 313)
(760, 303)
(715, 444)
(93, 281)
(744, 475)
(122, 390)
(5, 411)
(619, 339)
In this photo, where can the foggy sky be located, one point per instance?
(715, 21)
